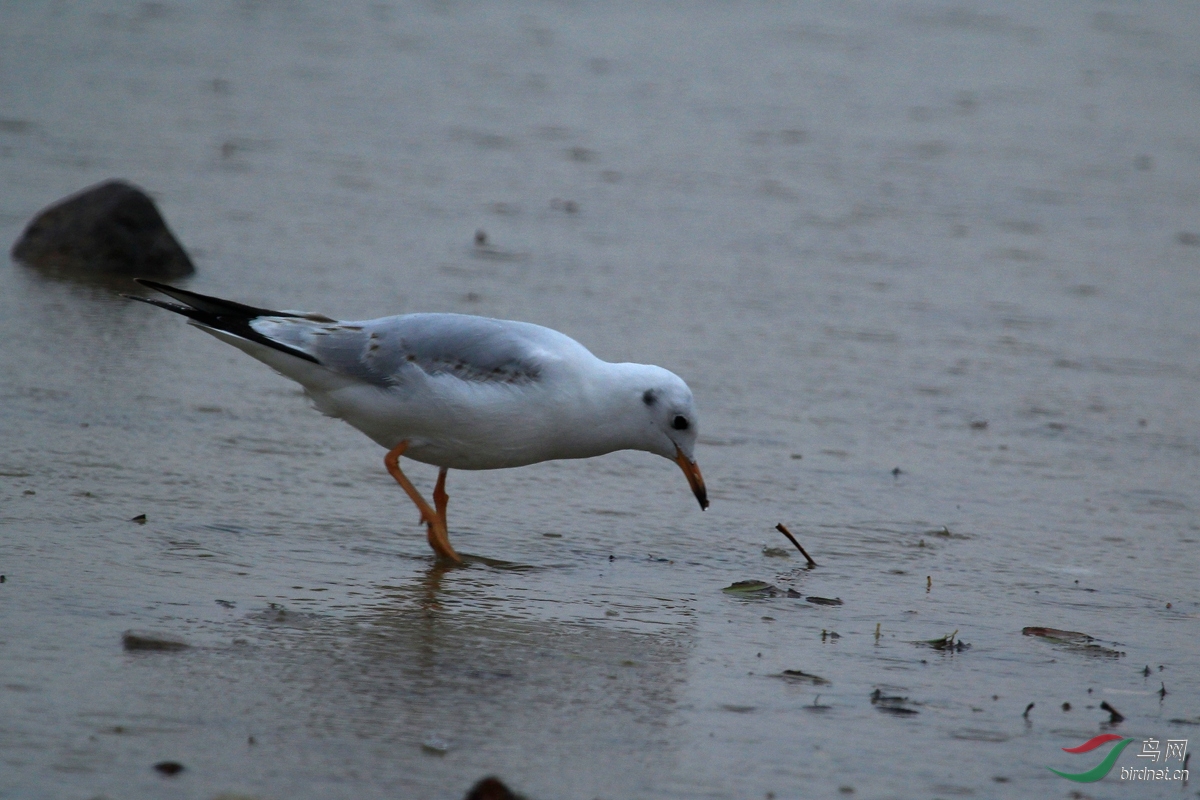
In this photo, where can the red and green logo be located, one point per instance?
(1104, 767)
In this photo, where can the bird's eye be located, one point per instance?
(680, 423)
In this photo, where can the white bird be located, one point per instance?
(460, 392)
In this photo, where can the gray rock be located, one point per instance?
(491, 788)
(111, 228)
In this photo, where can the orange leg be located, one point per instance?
(439, 537)
(440, 498)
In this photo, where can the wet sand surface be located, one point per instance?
(961, 243)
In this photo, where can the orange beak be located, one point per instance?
(695, 479)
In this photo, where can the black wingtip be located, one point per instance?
(218, 314)
(212, 305)
(155, 285)
(154, 301)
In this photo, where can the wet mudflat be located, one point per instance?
(932, 274)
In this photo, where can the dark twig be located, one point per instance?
(783, 529)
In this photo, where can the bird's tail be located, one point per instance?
(219, 315)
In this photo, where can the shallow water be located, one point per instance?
(860, 233)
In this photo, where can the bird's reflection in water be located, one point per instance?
(428, 595)
(442, 658)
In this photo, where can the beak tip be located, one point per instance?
(695, 480)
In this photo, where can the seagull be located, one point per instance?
(459, 391)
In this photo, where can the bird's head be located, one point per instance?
(671, 426)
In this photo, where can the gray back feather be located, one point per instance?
(383, 351)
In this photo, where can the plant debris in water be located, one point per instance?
(899, 711)
(817, 706)
(783, 529)
(799, 676)
(753, 589)
(1072, 640)
(945, 533)
(891, 704)
(141, 640)
(945, 643)
(764, 589)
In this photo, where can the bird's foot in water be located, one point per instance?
(439, 540)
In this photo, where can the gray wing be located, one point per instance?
(387, 351)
